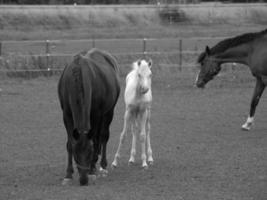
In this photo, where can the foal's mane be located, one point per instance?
(232, 42)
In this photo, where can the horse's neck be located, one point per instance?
(238, 54)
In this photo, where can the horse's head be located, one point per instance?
(209, 67)
(143, 69)
(82, 149)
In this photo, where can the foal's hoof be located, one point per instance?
(151, 162)
(131, 163)
(92, 178)
(114, 166)
(145, 167)
(66, 181)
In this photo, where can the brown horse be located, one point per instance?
(249, 49)
(88, 91)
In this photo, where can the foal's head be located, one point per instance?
(209, 68)
(143, 75)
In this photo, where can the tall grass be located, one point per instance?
(75, 17)
(40, 22)
(76, 22)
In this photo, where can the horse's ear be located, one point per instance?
(207, 50)
(150, 63)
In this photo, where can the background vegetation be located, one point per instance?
(119, 1)
(69, 22)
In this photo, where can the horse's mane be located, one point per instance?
(232, 42)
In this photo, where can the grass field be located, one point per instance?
(199, 150)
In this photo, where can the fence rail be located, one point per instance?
(52, 55)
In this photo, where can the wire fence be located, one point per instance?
(50, 56)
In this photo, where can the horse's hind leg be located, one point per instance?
(69, 127)
(127, 118)
(104, 140)
(149, 149)
(259, 88)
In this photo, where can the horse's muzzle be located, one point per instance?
(200, 85)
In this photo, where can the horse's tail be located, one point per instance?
(81, 107)
(87, 95)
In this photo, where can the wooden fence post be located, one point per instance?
(180, 54)
(0, 48)
(144, 47)
(47, 52)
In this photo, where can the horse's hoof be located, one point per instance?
(103, 172)
(66, 181)
(92, 178)
(245, 127)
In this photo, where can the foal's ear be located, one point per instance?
(138, 62)
(207, 50)
(150, 63)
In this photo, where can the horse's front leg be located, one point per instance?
(70, 170)
(69, 127)
(104, 140)
(259, 88)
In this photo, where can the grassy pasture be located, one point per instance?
(199, 150)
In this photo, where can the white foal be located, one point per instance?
(138, 98)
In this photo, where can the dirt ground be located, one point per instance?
(199, 149)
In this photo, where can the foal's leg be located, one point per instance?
(143, 119)
(149, 149)
(134, 128)
(259, 88)
(127, 118)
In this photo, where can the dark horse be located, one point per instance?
(88, 91)
(249, 49)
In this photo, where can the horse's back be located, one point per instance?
(107, 84)
(102, 58)
(98, 71)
